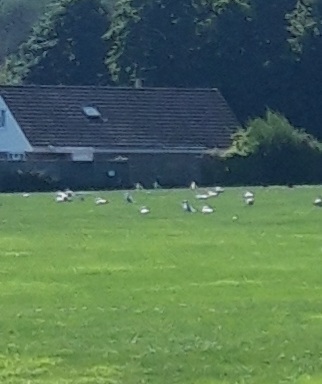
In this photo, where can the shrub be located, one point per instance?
(270, 150)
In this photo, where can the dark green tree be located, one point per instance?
(162, 41)
(303, 94)
(251, 57)
(259, 53)
(16, 20)
(271, 151)
(238, 46)
(65, 47)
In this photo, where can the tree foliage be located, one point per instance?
(303, 22)
(270, 133)
(65, 47)
(259, 53)
(162, 41)
(271, 151)
(16, 19)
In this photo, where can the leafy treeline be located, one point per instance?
(16, 19)
(66, 47)
(259, 53)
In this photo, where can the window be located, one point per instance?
(91, 112)
(2, 118)
(16, 157)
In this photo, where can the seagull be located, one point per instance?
(318, 202)
(193, 185)
(61, 197)
(219, 190)
(129, 198)
(213, 193)
(156, 185)
(139, 186)
(207, 209)
(70, 194)
(100, 201)
(144, 210)
(25, 194)
(203, 196)
(250, 201)
(187, 207)
(248, 195)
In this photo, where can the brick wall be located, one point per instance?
(173, 170)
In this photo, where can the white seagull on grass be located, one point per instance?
(248, 195)
(61, 197)
(100, 201)
(202, 196)
(207, 209)
(250, 201)
(213, 193)
(219, 190)
(144, 210)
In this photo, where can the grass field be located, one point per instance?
(100, 294)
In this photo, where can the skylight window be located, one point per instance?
(91, 112)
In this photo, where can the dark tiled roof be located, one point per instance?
(141, 118)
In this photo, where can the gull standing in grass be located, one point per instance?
(187, 207)
(139, 186)
(249, 198)
(156, 185)
(128, 198)
(318, 202)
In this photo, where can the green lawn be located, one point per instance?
(101, 294)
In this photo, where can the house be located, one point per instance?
(110, 137)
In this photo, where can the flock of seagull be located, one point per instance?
(68, 196)
(249, 198)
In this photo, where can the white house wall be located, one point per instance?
(12, 138)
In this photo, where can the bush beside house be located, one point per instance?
(268, 150)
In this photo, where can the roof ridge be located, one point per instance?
(114, 87)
